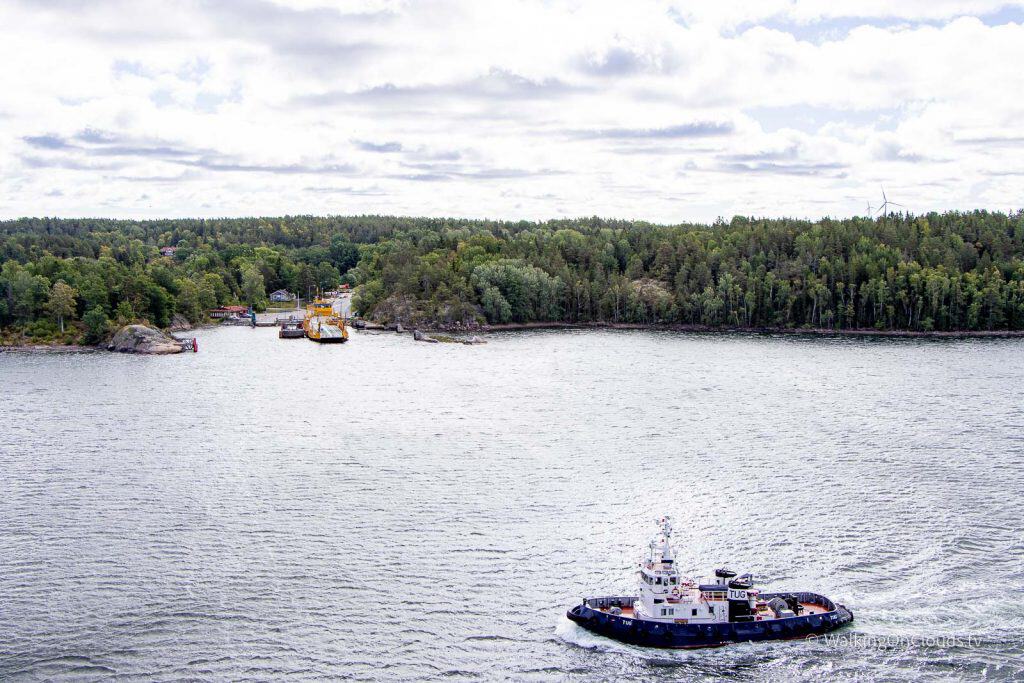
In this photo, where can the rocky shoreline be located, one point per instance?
(474, 328)
(435, 338)
(49, 348)
(138, 339)
(152, 341)
(145, 340)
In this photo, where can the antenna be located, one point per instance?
(884, 209)
(666, 526)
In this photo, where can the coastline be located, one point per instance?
(697, 329)
(49, 348)
(34, 347)
(707, 329)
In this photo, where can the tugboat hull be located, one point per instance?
(593, 615)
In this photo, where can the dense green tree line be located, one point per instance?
(951, 271)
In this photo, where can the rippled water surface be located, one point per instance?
(390, 510)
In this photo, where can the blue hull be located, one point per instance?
(660, 634)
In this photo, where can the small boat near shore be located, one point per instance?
(673, 611)
(291, 329)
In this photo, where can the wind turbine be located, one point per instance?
(884, 209)
(870, 212)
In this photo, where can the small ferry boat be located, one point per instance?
(678, 612)
(323, 324)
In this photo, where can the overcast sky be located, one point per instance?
(666, 111)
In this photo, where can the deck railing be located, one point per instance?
(611, 601)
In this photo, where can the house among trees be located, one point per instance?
(282, 295)
(168, 251)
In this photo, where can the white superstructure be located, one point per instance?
(665, 595)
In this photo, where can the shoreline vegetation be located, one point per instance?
(68, 283)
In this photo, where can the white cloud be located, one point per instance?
(657, 110)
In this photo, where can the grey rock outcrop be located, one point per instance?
(179, 323)
(143, 339)
(419, 336)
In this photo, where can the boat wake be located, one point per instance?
(576, 635)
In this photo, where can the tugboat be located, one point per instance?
(674, 611)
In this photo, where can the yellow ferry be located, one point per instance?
(322, 324)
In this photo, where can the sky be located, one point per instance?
(665, 111)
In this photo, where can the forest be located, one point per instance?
(74, 279)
